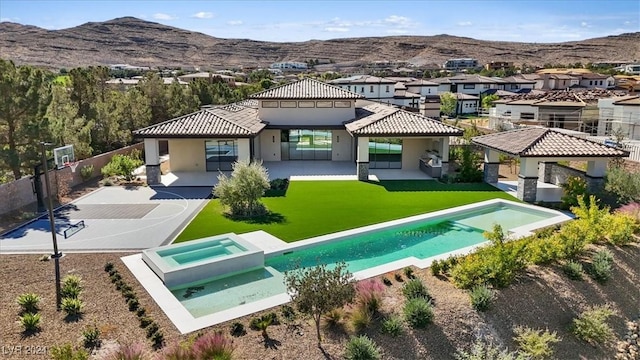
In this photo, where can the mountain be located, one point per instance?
(143, 43)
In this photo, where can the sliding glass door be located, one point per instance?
(305, 144)
(221, 154)
(385, 153)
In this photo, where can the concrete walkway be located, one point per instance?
(546, 192)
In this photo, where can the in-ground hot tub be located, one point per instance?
(202, 259)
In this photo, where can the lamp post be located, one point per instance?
(56, 255)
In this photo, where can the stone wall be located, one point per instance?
(558, 174)
(20, 193)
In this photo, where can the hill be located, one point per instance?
(143, 43)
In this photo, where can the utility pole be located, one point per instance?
(56, 255)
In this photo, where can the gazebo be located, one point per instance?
(540, 150)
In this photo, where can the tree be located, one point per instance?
(242, 191)
(66, 127)
(487, 101)
(318, 290)
(122, 165)
(180, 100)
(448, 103)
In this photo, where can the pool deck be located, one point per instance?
(273, 246)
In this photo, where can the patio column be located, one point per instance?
(362, 158)
(596, 170)
(444, 154)
(244, 149)
(152, 161)
(491, 166)
(528, 179)
(545, 169)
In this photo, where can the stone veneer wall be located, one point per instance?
(558, 174)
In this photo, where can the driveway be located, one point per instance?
(115, 218)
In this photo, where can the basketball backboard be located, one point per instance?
(64, 156)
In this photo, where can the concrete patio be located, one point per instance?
(545, 192)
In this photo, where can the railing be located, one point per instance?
(632, 147)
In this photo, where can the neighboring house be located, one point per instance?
(630, 69)
(211, 77)
(124, 84)
(559, 81)
(620, 114)
(422, 87)
(515, 84)
(537, 79)
(592, 81)
(460, 64)
(498, 65)
(306, 120)
(386, 90)
(467, 104)
(128, 67)
(289, 66)
(467, 84)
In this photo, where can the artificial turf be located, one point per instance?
(313, 208)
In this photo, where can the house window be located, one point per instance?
(220, 154)
(306, 104)
(349, 87)
(288, 104)
(342, 104)
(515, 86)
(527, 116)
(600, 82)
(428, 91)
(269, 104)
(324, 104)
(371, 88)
(385, 153)
(362, 89)
(487, 86)
(591, 82)
(469, 86)
(386, 89)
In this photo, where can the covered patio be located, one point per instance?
(539, 150)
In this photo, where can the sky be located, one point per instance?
(289, 20)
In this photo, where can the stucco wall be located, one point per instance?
(412, 150)
(301, 117)
(270, 149)
(341, 148)
(187, 155)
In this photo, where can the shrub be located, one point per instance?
(535, 343)
(288, 313)
(86, 172)
(369, 294)
(620, 228)
(392, 326)
(398, 277)
(591, 325)
(545, 250)
(66, 352)
(43, 258)
(361, 348)
(129, 294)
(157, 338)
(361, 318)
(386, 281)
(481, 297)
(108, 267)
(237, 329)
(418, 312)
(436, 268)
(141, 311)
(213, 345)
(623, 184)
(279, 184)
(91, 337)
(115, 277)
(414, 288)
(333, 317)
(408, 272)
(601, 265)
(261, 323)
(242, 191)
(122, 165)
(28, 302)
(30, 322)
(72, 306)
(574, 187)
(176, 351)
(145, 321)
(631, 209)
(72, 281)
(151, 329)
(487, 351)
(573, 270)
(133, 304)
(136, 351)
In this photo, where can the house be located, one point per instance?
(466, 104)
(211, 77)
(422, 87)
(536, 78)
(592, 81)
(467, 84)
(460, 64)
(124, 84)
(630, 69)
(559, 81)
(306, 120)
(430, 106)
(289, 66)
(620, 114)
(386, 90)
(516, 84)
(498, 65)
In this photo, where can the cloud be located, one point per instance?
(398, 21)
(584, 24)
(203, 15)
(397, 31)
(8, 19)
(627, 23)
(161, 16)
(465, 23)
(235, 22)
(336, 29)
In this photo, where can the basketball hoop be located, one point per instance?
(74, 165)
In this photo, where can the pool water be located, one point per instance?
(200, 251)
(508, 217)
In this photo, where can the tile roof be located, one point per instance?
(463, 96)
(543, 142)
(467, 79)
(421, 82)
(306, 88)
(518, 80)
(228, 120)
(383, 120)
(629, 101)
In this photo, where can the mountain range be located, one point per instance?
(144, 43)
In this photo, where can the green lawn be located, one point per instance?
(312, 208)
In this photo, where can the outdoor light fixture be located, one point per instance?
(56, 255)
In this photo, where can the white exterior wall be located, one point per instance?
(244, 149)
(341, 145)
(379, 90)
(270, 149)
(412, 150)
(630, 121)
(472, 108)
(517, 110)
(301, 117)
(187, 155)
(423, 89)
(591, 83)
(151, 152)
(606, 114)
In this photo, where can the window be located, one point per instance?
(385, 153)
(349, 87)
(527, 116)
(515, 86)
(590, 82)
(428, 91)
(220, 154)
(306, 144)
(487, 86)
(469, 86)
(288, 104)
(362, 89)
(600, 82)
(306, 104)
(342, 104)
(371, 88)
(386, 89)
(324, 104)
(269, 104)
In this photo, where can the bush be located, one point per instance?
(392, 326)
(487, 351)
(418, 312)
(386, 281)
(237, 329)
(91, 337)
(122, 165)
(332, 318)
(135, 351)
(242, 191)
(481, 297)
(574, 187)
(631, 209)
(115, 277)
(28, 302)
(435, 267)
(213, 345)
(176, 351)
(535, 343)
(30, 322)
(86, 172)
(573, 270)
(408, 272)
(133, 304)
(591, 325)
(398, 277)
(623, 184)
(602, 265)
(414, 288)
(145, 321)
(66, 352)
(620, 228)
(361, 348)
(279, 184)
(288, 313)
(369, 294)
(71, 286)
(262, 323)
(361, 318)
(157, 338)
(151, 329)
(141, 311)
(108, 267)
(72, 306)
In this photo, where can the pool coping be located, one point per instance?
(186, 323)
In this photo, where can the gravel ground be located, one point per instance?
(542, 298)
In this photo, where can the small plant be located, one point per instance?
(361, 348)
(414, 288)
(408, 272)
(129, 294)
(72, 281)
(369, 294)
(488, 351)
(30, 322)
(157, 338)
(176, 351)
(91, 337)
(332, 318)
(151, 329)
(108, 267)
(573, 270)
(436, 268)
(145, 321)
(591, 325)
(28, 302)
(361, 318)
(133, 304)
(398, 277)
(392, 326)
(67, 352)
(44, 258)
(141, 311)
(386, 281)
(115, 277)
(72, 306)
(535, 343)
(602, 265)
(237, 329)
(418, 312)
(86, 172)
(135, 351)
(288, 313)
(481, 297)
(213, 345)
(120, 284)
(262, 324)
